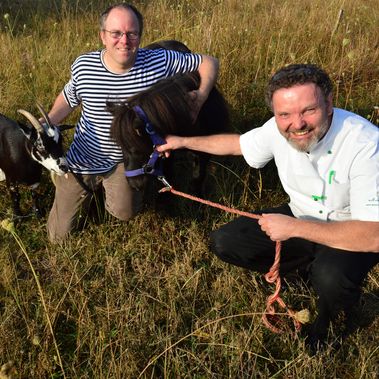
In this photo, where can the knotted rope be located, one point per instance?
(271, 277)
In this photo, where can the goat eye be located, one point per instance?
(42, 153)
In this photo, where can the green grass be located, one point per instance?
(146, 298)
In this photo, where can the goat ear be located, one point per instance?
(26, 130)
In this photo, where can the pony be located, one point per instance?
(166, 106)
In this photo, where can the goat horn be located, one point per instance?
(32, 120)
(44, 114)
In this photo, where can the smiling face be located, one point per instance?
(302, 114)
(120, 53)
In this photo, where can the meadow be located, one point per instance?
(146, 299)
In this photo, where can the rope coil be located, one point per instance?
(272, 277)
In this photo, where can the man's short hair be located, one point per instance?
(296, 74)
(130, 7)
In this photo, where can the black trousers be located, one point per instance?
(336, 275)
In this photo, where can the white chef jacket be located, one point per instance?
(337, 180)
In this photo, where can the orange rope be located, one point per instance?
(271, 277)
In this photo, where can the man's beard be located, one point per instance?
(312, 142)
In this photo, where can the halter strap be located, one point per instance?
(147, 168)
(156, 139)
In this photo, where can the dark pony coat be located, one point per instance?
(167, 106)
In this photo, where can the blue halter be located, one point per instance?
(156, 139)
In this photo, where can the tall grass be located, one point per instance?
(147, 299)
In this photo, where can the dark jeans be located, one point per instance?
(336, 275)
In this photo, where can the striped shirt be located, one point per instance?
(92, 85)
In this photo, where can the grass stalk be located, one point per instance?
(7, 225)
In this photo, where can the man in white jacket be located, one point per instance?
(328, 164)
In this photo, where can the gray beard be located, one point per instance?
(313, 142)
(304, 148)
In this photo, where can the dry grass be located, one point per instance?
(147, 299)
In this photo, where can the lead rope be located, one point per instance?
(271, 277)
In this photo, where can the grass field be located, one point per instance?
(147, 299)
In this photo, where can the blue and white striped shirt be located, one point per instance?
(92, 85)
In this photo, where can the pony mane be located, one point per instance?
(167, 106)
(169, 44)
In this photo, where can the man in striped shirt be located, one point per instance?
(115, 73)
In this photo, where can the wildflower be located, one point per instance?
(8, 225)
(36, 340)
(7, 370)
(303, 316)
(345, 41)
(6, 16)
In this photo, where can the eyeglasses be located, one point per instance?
(116, 34)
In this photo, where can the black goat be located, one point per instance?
(23, 152)
(167, 106)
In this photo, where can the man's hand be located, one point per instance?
(352, 235)
(208, 71)
(172, 143)
(277, 226)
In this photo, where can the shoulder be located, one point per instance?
(148, 57)
(88, 58)
(268, 129)
(259, 144)
(354, 126)
(164, 53)
(151, 53)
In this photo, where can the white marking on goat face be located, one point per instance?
(2, 175)
(47, 150)
(59, 166)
